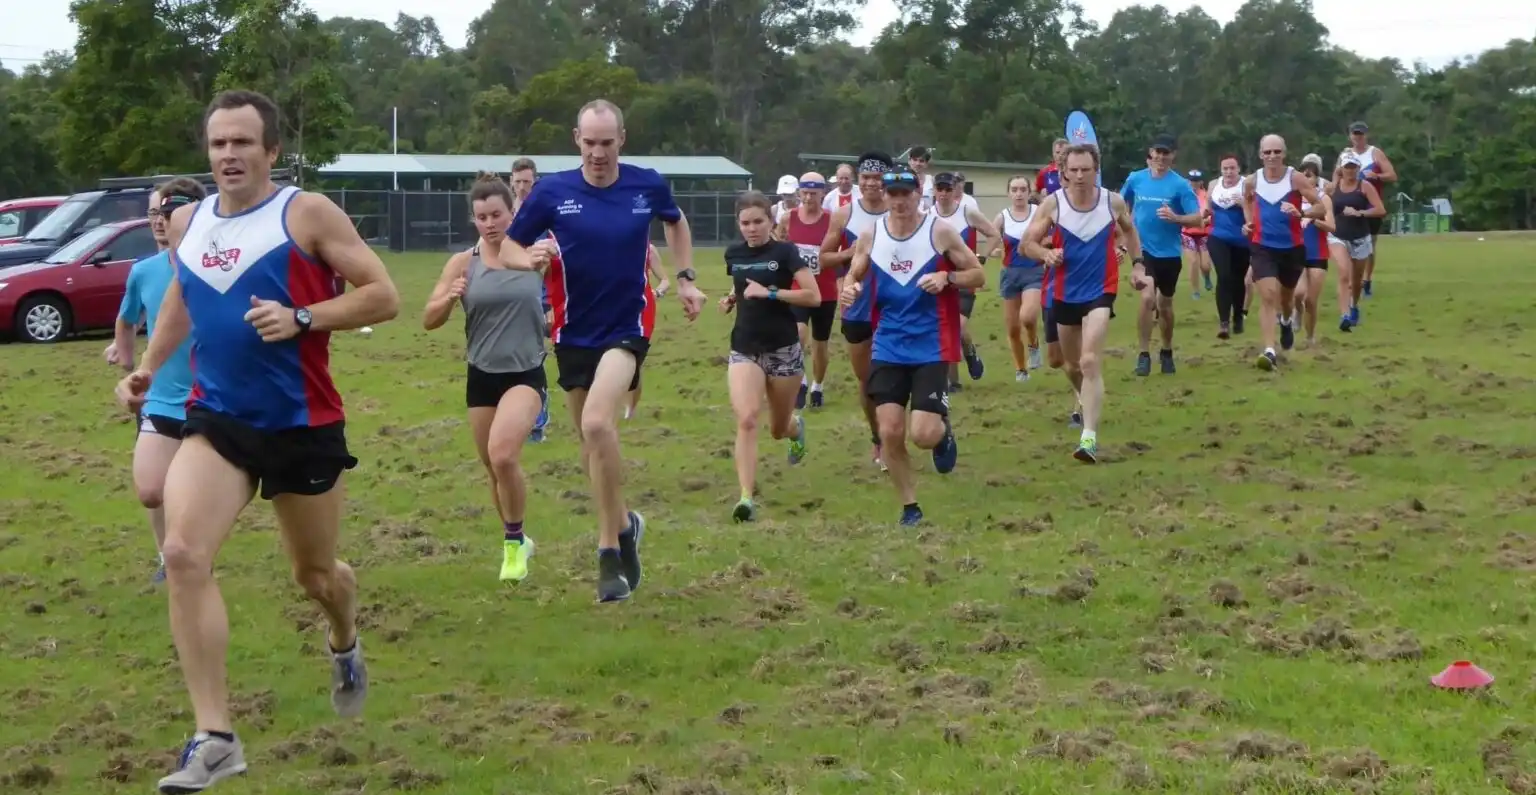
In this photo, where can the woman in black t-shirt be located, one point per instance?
(770, 277)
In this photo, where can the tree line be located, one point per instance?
(761, 81)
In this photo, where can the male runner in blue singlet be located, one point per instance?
(256, 269)
(1085, 226)
(917, 265)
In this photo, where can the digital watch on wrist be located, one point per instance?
(304, 318)
(687, 275)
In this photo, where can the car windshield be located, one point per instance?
(57, 223)
(77, 248)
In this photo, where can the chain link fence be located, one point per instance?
(440, 221)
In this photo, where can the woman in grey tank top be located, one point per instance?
(504, 329)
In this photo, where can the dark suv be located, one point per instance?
(78, 214)
(118, 199)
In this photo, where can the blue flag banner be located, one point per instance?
(1080, 131)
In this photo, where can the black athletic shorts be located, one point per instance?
(1285, 264)
(919, 387)
(578, 366)
(160, 425)
(305, 461)
(1066, 313)
(858, 332)
(819, 318)
(1374, 224)
(967, 302)
(1048, 319)
(1318, 264)
(483, 390)
(1165, 273)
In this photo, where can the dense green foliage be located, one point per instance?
(763, 80)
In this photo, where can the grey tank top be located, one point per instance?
(503, 317)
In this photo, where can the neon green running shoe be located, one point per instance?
(1087, 450)
(797, 444)
(514, 559)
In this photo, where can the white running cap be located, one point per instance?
(1313, 158)
(788, 184)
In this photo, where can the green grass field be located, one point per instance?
(1248, 595)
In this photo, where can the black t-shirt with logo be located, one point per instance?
(763, 325)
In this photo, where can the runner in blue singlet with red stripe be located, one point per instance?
(1077, 233)
(1272, 209)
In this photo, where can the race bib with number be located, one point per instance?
(811, 256)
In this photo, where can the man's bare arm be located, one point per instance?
(1127, 227)
(1039, 226)
(859, 255)
(968, 272)
(679, 237)
(329, 233)
(833, 255)
(1385, 171)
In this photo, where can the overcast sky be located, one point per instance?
(1431, 30)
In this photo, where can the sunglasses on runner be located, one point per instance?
(899, 181)
(169, 203)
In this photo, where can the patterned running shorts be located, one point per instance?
(786, 362)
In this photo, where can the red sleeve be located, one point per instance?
(1040, 180)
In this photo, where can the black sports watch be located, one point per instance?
(687, 275)
(1137, 261)
(304, 318)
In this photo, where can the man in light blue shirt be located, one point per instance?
(1162, 203)
(160, 420)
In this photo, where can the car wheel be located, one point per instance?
(43, 319)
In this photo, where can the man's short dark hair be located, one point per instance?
(271, 118)
(182, 186)
(525, 164)
(920, 153)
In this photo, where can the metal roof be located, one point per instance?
(961, 164)
(709, 166)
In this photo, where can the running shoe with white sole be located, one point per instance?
(205, 760)
(1034, 359)
(349, 680)
(797, 443)
(629, 549)
(514, 559)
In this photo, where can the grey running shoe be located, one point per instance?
(349, 681)
(611, 583)
(629, 549)
(205, 761)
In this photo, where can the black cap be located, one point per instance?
(1359, 127)
(948, 178)
(1165, 141)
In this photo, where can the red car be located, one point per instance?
(19, 216)
(77, 288)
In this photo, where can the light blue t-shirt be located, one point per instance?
(147, 283)
(1144, 194)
